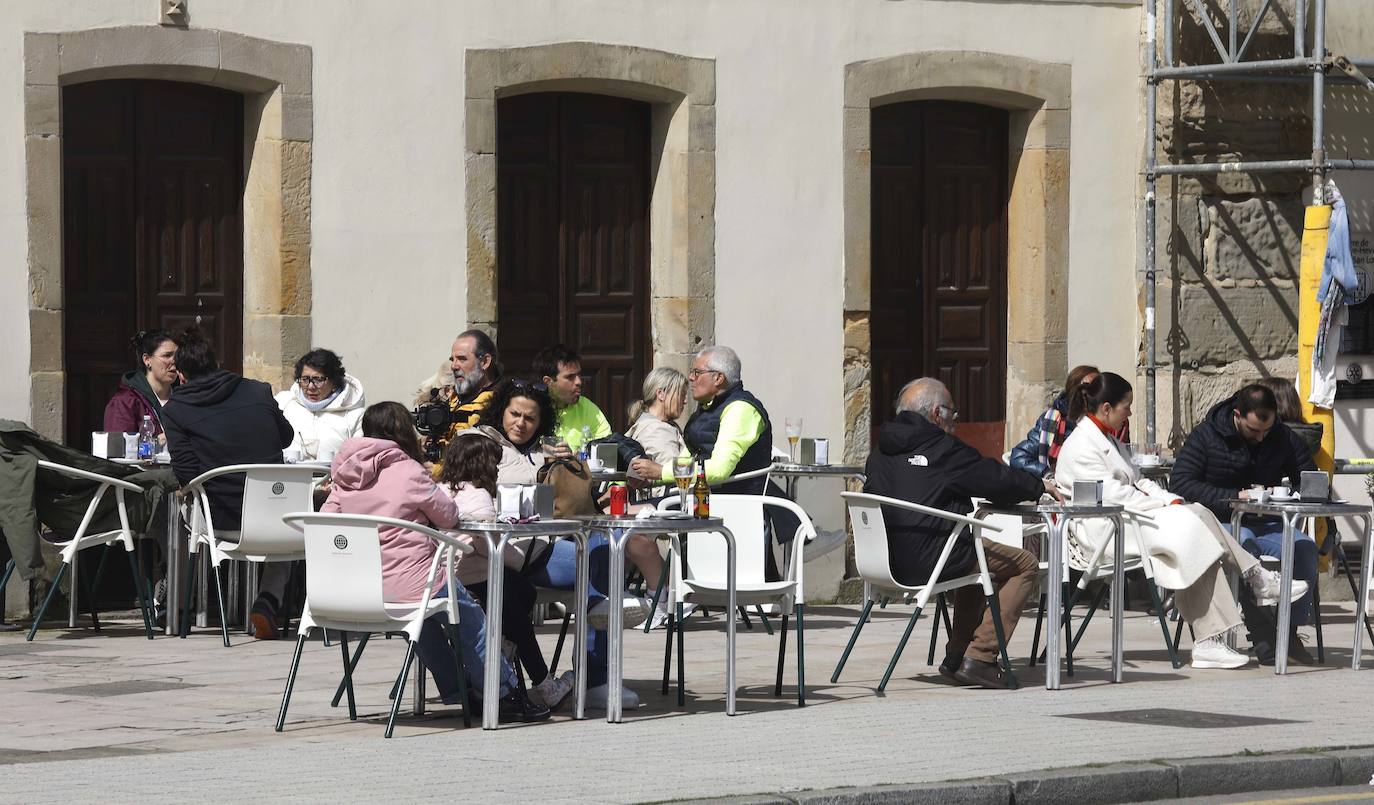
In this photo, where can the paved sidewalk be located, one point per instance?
(118, 718)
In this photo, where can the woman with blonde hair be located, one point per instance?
(653, 417)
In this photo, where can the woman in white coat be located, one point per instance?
(653, 418)
(324, 406)
(1187, 546)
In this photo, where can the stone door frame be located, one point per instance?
(682, 170)
(1037, 96)
(275, 81)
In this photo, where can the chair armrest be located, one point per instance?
(299, 519)
(303, 469)
(862, 497)
(85, 475)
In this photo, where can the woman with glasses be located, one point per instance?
(145, 390)
(325, 405)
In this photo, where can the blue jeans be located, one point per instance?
(560, 573)
(1265, 538)
(437, 653)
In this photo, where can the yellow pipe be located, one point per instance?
(1316, 224)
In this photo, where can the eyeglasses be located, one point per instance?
(693, 374)
(536, 385)
(313, 381)
(953, 412)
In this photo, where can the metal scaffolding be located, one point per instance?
(1316, 61)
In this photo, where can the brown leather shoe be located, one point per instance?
(982, 674)
(949, 668)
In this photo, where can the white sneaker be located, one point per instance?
(1212, 652)
(1265, 583)
(553, 690)
(824, 543)
(636, 611)
(596, 698)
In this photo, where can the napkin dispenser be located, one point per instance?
(813, 451)
(107, 445)
(539, 498)
(1087, 493)
(608, 454)
(1314, 486)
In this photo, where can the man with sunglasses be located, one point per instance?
(1239, 443)
(920, 460)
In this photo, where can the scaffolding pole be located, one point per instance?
(1233, 67)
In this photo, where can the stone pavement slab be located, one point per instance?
(193, 720)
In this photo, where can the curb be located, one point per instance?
(1119, 782)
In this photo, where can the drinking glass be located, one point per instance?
(682, 475)
(550, 445)
(794, 427)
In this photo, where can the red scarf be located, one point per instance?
(1106, 431)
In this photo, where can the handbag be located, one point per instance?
(572, 487)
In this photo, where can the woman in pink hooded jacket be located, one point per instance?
(381, 474)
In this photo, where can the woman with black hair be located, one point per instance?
(145, 390)
(518, 416)
(325, 404)
(1187, 546)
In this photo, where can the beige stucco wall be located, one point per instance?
(388, 241)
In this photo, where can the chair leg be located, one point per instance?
(400, 685)
(9, 569)
(1092, 610)
(1164, 624)
(89, 591)
(782, 655)
(190, 582)
(223, 612)
(141, 592)
(1178, 633)
(348, 677)
(853, 638)
(901, 646)
(454, 642)
(1068, 633)
(935, 628)
(744, 616)
(658, 591)
(1349, 576)
(996, 611)
(1317, 619)
(681, 661)
(290, 682)
(767, 627)
(668, 651)
(1035, 638)
(52, 592)
(558, 649)
(800, 610)
(352, 666)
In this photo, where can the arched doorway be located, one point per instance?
(939, 258)
(572, 237)
(152, 228)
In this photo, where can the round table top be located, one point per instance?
(609, 475)
(159, 460)
(787, 468)
(658, 523)
(1318, 508)
(1055, 507)
(538, 528)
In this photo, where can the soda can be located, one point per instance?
(620, 498)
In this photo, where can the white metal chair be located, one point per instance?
(269, 491)
(698, 576)
(343, 559)
(81, 540)
(871, 558)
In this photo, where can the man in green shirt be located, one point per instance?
(578, 417)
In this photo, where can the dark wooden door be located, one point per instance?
(939, 298)
(152, 228)
(572, 238)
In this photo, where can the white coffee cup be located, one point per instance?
(596, 464)
(1283, 492)
(291, 455)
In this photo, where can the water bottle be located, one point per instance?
(585, 451)
(147, 442)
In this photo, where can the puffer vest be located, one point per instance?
(703, 428)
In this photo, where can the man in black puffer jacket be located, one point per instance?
(919, 460)
(1239, 443)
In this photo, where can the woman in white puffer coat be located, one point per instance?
(325, 405)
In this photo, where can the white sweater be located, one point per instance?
(319, 433)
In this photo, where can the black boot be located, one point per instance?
(1261, 625)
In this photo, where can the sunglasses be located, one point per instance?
(535, 385)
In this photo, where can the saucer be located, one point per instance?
(1284, 498)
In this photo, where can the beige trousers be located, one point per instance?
(1208, 603)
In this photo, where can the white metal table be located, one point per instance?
(498, 535)
(791, 472)
(619, 529)
(1057, 517)
(1290, 512)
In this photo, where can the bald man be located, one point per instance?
(920, 460)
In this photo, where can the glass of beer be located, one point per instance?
(794, 427)
(550, 445)
(682, 476)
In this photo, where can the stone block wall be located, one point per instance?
(1227, 245)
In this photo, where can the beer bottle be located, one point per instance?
(701, 494)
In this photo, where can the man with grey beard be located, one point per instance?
(476, 371)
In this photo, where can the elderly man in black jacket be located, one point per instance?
(217, 418)
(1239, 443)
(919, 460)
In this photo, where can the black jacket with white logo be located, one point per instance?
(918, 462)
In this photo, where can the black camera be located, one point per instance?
(432, 419)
